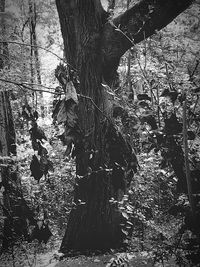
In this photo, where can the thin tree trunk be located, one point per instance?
(35, 62)
(12, 205)
(3, 46)
(129, 66)
(31, 29)
(34, 36)
(186, 151)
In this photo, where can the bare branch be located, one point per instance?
(24, 85)
(40, 47)
(40, 85)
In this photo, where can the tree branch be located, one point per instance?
(40, 47)
(139, 22)
(24, 85)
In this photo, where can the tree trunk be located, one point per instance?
(33, 22)
(93, 48)
(35, 62)
(94, 223)
(129, 82)
(12, 204)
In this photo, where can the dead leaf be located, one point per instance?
(71, 92)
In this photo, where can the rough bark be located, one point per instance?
(93, 48)
(95, 224)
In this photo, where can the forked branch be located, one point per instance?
(142, 20)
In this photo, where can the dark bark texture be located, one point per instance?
(95, 224)
(93, 48)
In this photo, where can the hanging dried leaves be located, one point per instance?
(28, 113)
(37, 133)
(41, 232)
(42, 151)
(172, 95)
(44, 165)
(172, 125)
(71, 92)
(65, 112)
(149, 118)
(35, 168)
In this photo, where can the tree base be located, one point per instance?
(94, 223)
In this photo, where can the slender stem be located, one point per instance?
(158, 105)
(38, 84)
(168, 77)
(187, 167)
(129, 62)
(92, 101)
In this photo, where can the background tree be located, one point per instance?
(7, 142)
(93, 47)
(13, 205)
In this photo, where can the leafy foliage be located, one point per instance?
(164, 73)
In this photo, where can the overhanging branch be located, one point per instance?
(139, 22)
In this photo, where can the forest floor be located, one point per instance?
(49, 257)
(132, 259)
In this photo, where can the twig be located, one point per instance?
(145, 48)
(168, 78)
(41, 85)
(195, 68)
(158, 103)
(38, 90)
(29, 88)
(187, 167)
(92, 101)
(40, 47)
(143, 71)
(119, 30)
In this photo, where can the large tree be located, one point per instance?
(93, 46)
